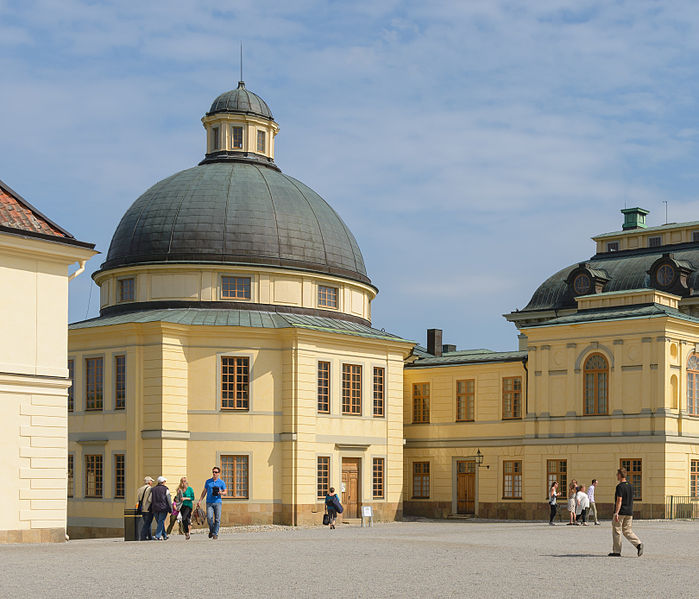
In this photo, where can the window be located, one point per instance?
(352, 389)
(126, 290)
(421, 480)
(595, 376)
(94, 383)
(557, 470)
(236, 288)
(379, 381)
(421, 403)
(235, 377)
(119, 474)
(694, 478)
(261, 141)
(327, 296)
(613, 246)
(465, 400)
(324, 387)
(119, 382)
(69, 478)
(237, 137)
(655, 242)
(323, 470)
(633, 475)
(93, 476)
(234, 472)
(693, 385)
(215, 138)
(695, 236)
(71, 377)
(512, 479)
(512, 397)
(378, 478)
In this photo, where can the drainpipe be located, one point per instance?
(81, 269)
(526, 387)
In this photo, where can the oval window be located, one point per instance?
(665, 275)
(582, 284)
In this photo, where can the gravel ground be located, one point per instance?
(402, 559)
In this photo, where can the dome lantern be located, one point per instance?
(239, 126)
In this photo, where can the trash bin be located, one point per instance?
(132, 524)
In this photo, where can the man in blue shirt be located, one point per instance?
(214, 489)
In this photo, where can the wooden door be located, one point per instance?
(466, 487)
(351, 488)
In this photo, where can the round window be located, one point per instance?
(665, 275)
(582, 284)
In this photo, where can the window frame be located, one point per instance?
(232, 488)
(97, 394)
(628, 463)
(119, 474)
(322, 476)
(98, 466)
(323, 387)
(466, 397)
(378, 478)
(596, 372)
(655, 241)
(242, 133)
(245, 401)
(693, 478)
(517, 476)
(120, 382)
(558, 474)
(215, 138)
(328, 297)
(692, 389)
(261, 136)
(71, 389)
(237, 279)
(121, 282)
(516, 399)
(379, 392)
(421, 403)
(612, 246)
(351, 402)
(70, 476)
(421, 471)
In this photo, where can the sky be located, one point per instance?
(472, 147)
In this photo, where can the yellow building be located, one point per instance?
(235, 329)
(35, 255)
(607, 376)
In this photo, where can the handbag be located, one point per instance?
(326, 519)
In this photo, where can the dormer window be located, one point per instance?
(584, 280)
(237, 137)
(670, 274)
(215, 138)
(261, 141)
(126, 289)
(655, 242)
(613, 246)
(582, 284)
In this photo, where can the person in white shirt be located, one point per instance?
(591, 495)
(582, 505)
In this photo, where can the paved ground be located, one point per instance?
(410, 559)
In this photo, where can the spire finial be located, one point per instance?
(241, 61)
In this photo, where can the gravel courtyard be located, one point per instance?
(407, 559)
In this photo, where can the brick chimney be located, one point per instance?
(434, 341)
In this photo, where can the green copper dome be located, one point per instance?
(243, 101)
(236, 212)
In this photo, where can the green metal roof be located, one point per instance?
(239, 318)
(474, 356)
(617, 313)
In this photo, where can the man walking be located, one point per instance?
(591, 495)
(214, 489)
(623, 516)
(143, 501)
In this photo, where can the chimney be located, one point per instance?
(434, 341)
(448, 347)
(634, 218)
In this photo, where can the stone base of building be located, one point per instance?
(94, 532)
(522, 511)
(33, 535)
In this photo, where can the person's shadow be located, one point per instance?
(576, 555)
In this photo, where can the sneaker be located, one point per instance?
(215, 537)
(552, 524)
(640, 549)
(614, 555)
(211, 534)
(596, 523)
(186, 536)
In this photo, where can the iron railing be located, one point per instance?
(684, 507)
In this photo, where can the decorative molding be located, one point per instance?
(164, 434)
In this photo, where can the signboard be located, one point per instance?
(343, 487)
(367, 511)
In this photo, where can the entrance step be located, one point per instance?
(352, 521)
(461, 516)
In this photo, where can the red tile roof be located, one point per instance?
(15, 213)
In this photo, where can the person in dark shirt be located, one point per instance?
(623, 516)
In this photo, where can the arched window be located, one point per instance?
(596, 385)
(693, 385)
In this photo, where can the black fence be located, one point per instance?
(683, 507)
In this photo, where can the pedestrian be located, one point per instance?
(572, 490)
(161, 504)
(143, 499)
(591, 495)
(187, 504)
(553, 494)
(623, 516)
(582, 502)
(333, 506)
(214, 489)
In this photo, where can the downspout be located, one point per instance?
(526, 387)
(80, 270)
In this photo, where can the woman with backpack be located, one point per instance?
(553, 493)
(333, 507)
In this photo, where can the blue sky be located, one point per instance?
(472, 147)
